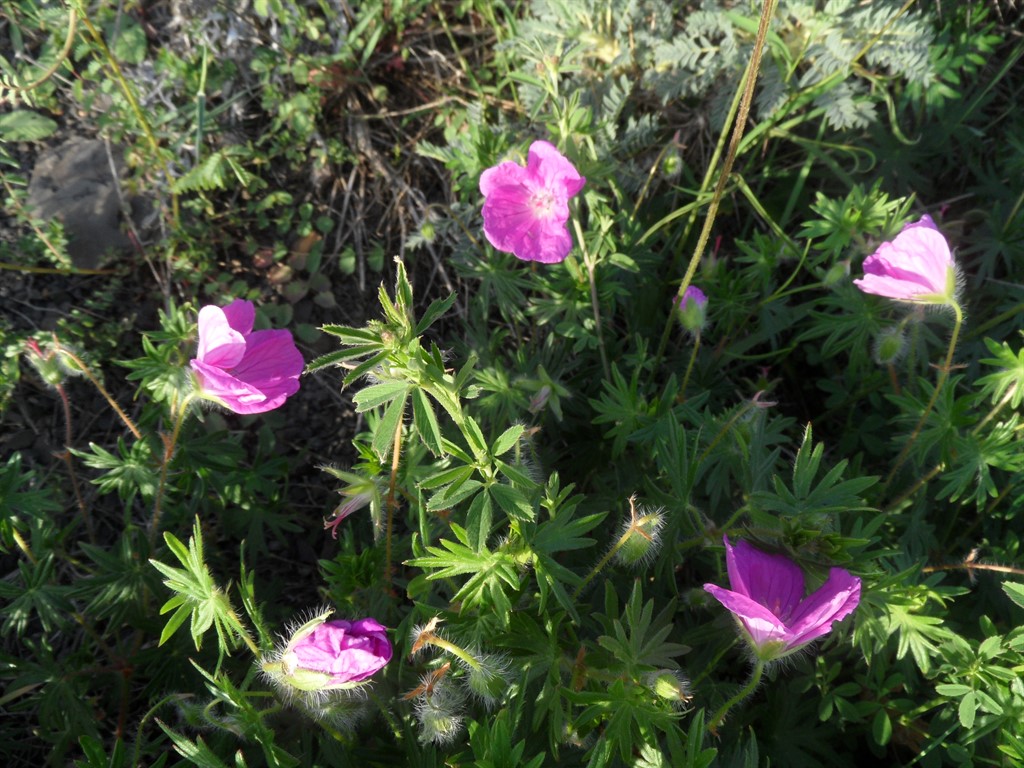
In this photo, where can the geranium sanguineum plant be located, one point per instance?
(244, 370)
(526, 209)
(766, 596)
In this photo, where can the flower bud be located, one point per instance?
(47, 364)
(693, 309)
(890, 345)
(323, 656)
(669, 685)
(640, 535)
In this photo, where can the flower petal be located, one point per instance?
(507, 174)
(241, 314)
(553, 171)
(833, 601)
(272, 363)
(761, 624)
(219, 385)
(219, 343)
(774, 581)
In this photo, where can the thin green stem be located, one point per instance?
(61, 57)
(445, 645)
(689, 367)
(588, 262)
(748, 689)
(169, 445)
(939, 384)
(602, 563)
(81, 366)
(750, 80)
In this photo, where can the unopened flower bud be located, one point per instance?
(640, 535)
(693, 309)
(323, 656)
(890, 345)
(47, 363)
(669, 685)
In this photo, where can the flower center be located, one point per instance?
(542, 201)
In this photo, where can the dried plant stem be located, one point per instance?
(939, 384)
(748, 689)
(392, 503)
(749, 80)
(81, 366)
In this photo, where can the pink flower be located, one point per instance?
(767, 599)
(693, 294)
(916, 266)
(244, 370)
(525, 209)
(322, 656)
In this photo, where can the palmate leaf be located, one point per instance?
(196, 594)
(493, 573)
(829, 495)
(1007, 383)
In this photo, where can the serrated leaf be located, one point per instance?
(425, 422)
(384, 434)
(378, 394)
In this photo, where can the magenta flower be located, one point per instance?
(244, 370)
(694, 295)
(525, 209)
(916, 266)
(323, 656)
(767, 599)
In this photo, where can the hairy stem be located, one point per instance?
(81, 366)
(169, 445)
(939, 384)
(748, 689)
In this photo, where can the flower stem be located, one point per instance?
(748, 689)
(750, 80)
(603, 562)
(590, 265)
(439, 642)
(80, 364)
(939, 384)
(169, 445)
(392, 502)
(689, 368)
(66, 458)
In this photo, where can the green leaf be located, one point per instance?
(1015, 592)
(379, 394)
(384, 433)
(507, 440)
(512, 502)
(434, 311)
(26, 125)
(425, 422)
(967, 709)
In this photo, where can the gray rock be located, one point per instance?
(72, 182)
